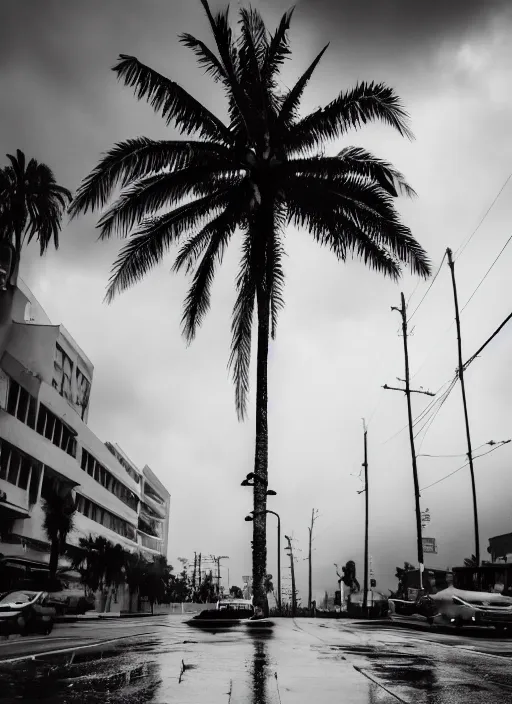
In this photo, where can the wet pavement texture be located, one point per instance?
(304, 660)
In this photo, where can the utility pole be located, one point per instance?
(310, 583)
(408, 391)
(365, 579)
(217, 560)
(292, 566)
(199, 563)
(460, 373)
(194, 572)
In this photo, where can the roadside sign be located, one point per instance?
(429, 545)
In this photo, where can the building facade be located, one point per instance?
(46, 444)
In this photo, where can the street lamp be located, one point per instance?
(251, 476)
(251, 518)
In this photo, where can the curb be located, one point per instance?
(103, 617)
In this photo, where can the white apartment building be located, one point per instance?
(45, 387)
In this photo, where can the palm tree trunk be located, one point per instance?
(259, 555)
(54, 557)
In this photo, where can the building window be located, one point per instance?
(129, 470)
(62, 372)
(15, 465)
(107, 519)
(83, 392)
(21, 404)
(102, 475)
(152, 494)
(56, 431)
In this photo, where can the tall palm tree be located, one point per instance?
(263, 170)
(31, 205)
(59, 511)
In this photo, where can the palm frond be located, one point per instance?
(146, 247)
(192, 249)
(154, 192)
(205, 57)
(239, 107)
(18, 163)
(222, 34)
(390, 179)
(342, 236)
(241, 327)
(135, 159)
(332, 209)
(253, 40)
(274, 266)
(197, 302)
(171, 100)
(291, 101)
(350, 110)
(353, 162)
(278, 48)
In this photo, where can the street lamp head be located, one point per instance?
(271, 492)
(249, 518)
(246, 483)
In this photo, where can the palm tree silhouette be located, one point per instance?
(254, 176)
(31, 205)
(59, 511)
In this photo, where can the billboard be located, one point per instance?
(429, 545)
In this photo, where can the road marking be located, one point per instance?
(33, 656)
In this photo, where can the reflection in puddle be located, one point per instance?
(259, 673)
(98, 674)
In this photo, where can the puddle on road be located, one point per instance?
(155, 671)
(96, 674)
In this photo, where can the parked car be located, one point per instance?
(26, 612)
(71, 601)
(463, 608)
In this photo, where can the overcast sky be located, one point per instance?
(173, 407)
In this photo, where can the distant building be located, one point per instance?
(500, 547)
(45, 388)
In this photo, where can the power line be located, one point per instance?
(472, 359)
(486, 273)
(442, 401)
(458, 253)
(428, 289)
(498, 445)
(463, 246)
(418, 417)
(460, 455)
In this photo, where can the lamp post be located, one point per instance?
(250, 480)
(250, 518)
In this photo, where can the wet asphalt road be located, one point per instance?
(162, 660)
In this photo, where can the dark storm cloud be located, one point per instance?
(391, 29)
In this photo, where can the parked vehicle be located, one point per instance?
(229, 612)
(71, 601)
(26, 612)
(463, 608)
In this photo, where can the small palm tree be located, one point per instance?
(59, 511)
(114, 576)
(262, 171)
(31, 205)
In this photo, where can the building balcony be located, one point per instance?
(85, 526)
(149, 542)
(153, 512)
(154, 504)
(14, 501)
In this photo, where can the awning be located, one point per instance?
(12, 511)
